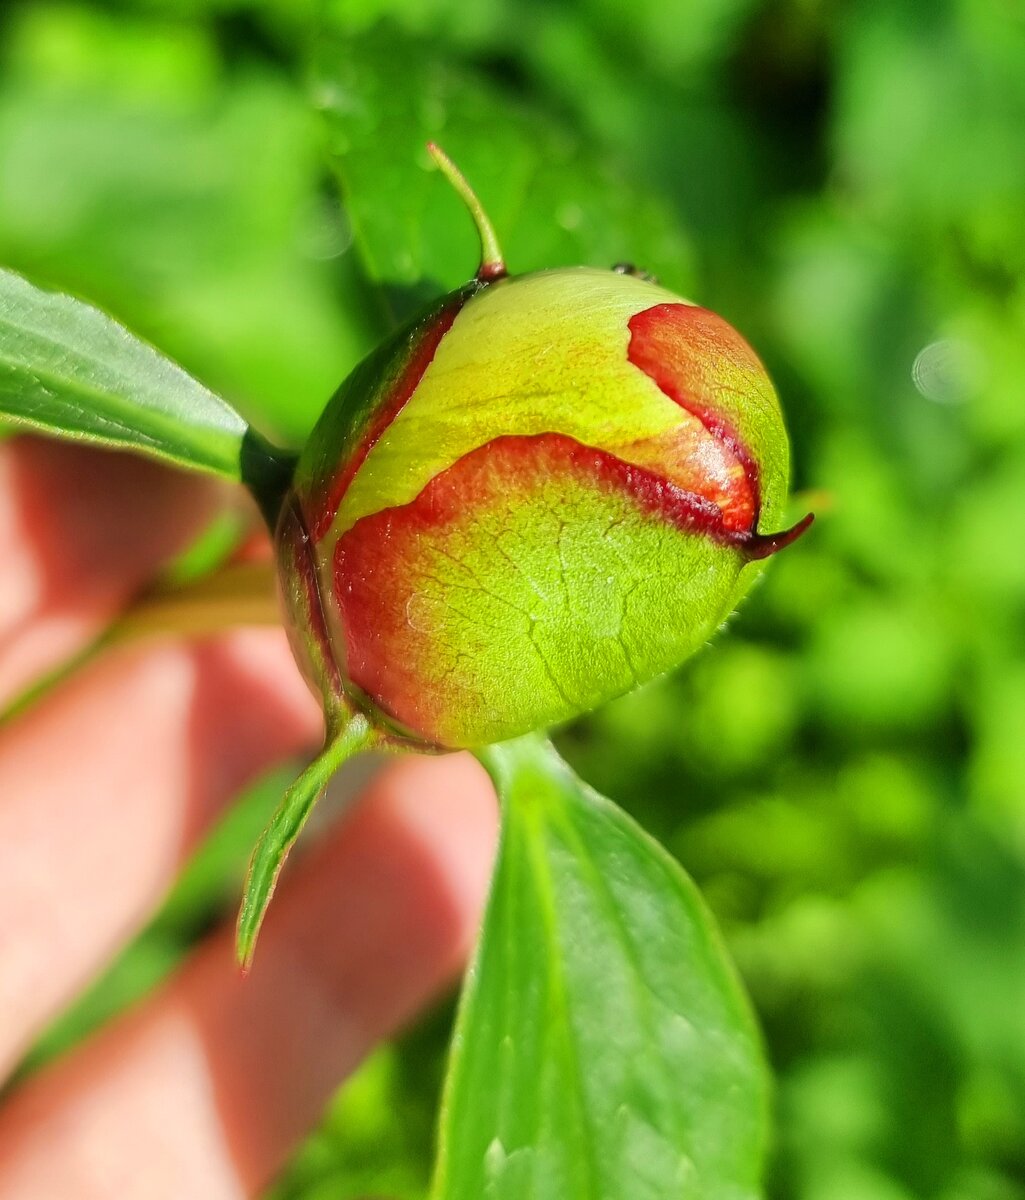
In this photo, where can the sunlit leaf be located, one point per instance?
(604, 1048)
(68, 369)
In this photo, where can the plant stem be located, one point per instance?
(492, 262)
(238, 594)
(241, 594)
(531, 756)
(267, 471)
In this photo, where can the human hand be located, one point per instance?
(107, 784)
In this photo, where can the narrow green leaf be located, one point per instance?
(604, 1048)
(68, 369)
(286, 825)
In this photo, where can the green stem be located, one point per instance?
(267, 472)
(515, 764)
(239, 594)
(354, 735)
(236, 596)
(492, 262)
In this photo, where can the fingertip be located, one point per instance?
(393, 895)
(367, 929)
(449, 804)
(64, 500)
(81, 532)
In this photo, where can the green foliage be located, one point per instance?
(66, 368)
(842, 775)
(603, 1047)
(182, 193)
(550, 193)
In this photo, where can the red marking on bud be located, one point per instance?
(380, 563)
(686, 350)
(683, 348)
(302, 599)
(490, 271)
(423, 345)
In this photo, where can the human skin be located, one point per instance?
(106, 785)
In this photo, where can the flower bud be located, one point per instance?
(545, 491)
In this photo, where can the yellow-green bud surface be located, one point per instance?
(549, 489)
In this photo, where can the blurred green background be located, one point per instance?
(844, 773)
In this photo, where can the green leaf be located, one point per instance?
(555, 199)
(604, 1048)
(68, 369)
(277, 839)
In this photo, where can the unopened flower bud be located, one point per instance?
(545, 491)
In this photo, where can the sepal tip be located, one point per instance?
(764, 545)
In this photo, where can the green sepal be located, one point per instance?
(269, 854)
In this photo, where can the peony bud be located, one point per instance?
(545, 491)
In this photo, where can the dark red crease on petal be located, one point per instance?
(669, 343)
(682, 348)
(296, 556)
(376, 562)
(373, 587)
(422, 352)
(496, 469)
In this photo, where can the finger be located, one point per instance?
(105, 787)
(203, 1091)
(81, 531)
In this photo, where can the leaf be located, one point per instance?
(68, 369)
(603, 1048)
(554, 198)
(285, 826)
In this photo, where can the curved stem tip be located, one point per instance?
(762, 545)
(492, 264)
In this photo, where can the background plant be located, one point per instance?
(843, 774)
